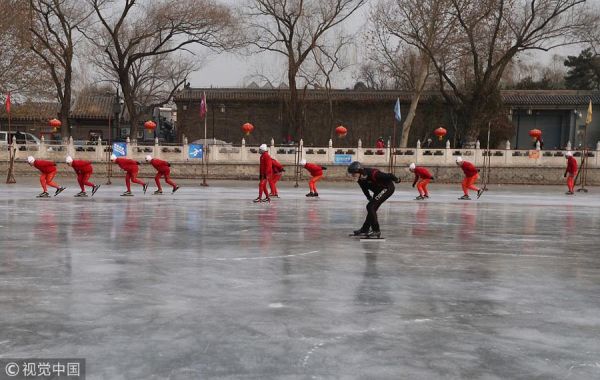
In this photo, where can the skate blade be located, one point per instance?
(362, 240)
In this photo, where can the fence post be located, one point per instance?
(243, 152)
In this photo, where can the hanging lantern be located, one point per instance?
(55, 123)
(341, 131)
(535, 134)
(440, 133)
(247, 128)
(150, 125)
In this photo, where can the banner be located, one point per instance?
(120, 149)
(342, 159)
(195, 151)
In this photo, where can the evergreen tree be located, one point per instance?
(584, 71)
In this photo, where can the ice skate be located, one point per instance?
(175, 189)
(311, 194)
(464, 198)
(157, 192)
(570, 193)
(81, 194)
(145, 187)
(315, 194)
(274, 195)
(419, 198)
(267, 200)
(59, 190)
(43, 195)
(359, 233)
(127, 194)
(94, 189)
(373, 235)
(479, 193)
(257, 200)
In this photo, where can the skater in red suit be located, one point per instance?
(316, 172)
(277, 173)
(471, 176)
(266, 172)
(48, 170)
(131, 168)
(84, 171)
(571, 172)
(422, 179)
(163, 168)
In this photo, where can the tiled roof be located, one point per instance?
(31, 111)
(92, 107)
(547, 98)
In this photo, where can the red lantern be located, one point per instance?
(440, 133)
(150, 125)
(247, 128)
(341, 131)
(55, 123)
(535, 134)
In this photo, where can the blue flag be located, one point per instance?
(397, 110)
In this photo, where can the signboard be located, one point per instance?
(342, 159)
(534, 154)
(119, 149)
(195, 151)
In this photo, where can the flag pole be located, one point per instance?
(205, 150)
(10, 177)
(584, 157)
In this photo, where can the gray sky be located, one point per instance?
(236, 70)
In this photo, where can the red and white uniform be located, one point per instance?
(316, 173)
(571, 173)
(422, 179)
(48, 170)
(163, 168)
(277, 170)
(84, 171)
(131, 168)
(265, 174)
(471, 176)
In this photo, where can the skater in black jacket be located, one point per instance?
(382, 186)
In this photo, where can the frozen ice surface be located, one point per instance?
(206, 284)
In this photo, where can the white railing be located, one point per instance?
(286, 154)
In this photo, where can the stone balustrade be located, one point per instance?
(286, 154)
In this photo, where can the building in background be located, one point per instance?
(560, 115)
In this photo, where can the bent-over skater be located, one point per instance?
(163, 168)
(48, 172)
(382, 186)
(571, 172)
(131, 168)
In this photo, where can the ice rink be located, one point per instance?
(206, 284)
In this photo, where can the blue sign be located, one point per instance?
(195, 151)
(120, 149)
(342, 159)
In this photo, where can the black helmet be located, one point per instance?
(355, 167)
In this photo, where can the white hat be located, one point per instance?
(412, 166)
(113, 157)
(459, 159)
(302, 162)
(569, 154)
(148, 158)
(263, 148)
(30, 159)
(69, 160)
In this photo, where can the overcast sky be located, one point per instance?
(235, 70)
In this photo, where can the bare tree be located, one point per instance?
(294, 29)
(54, 29)
(138, 30)
(328, 59)
(154, 79)
(20, 67)
(484, 37)
(394, 24)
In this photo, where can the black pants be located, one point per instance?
(372, 207)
